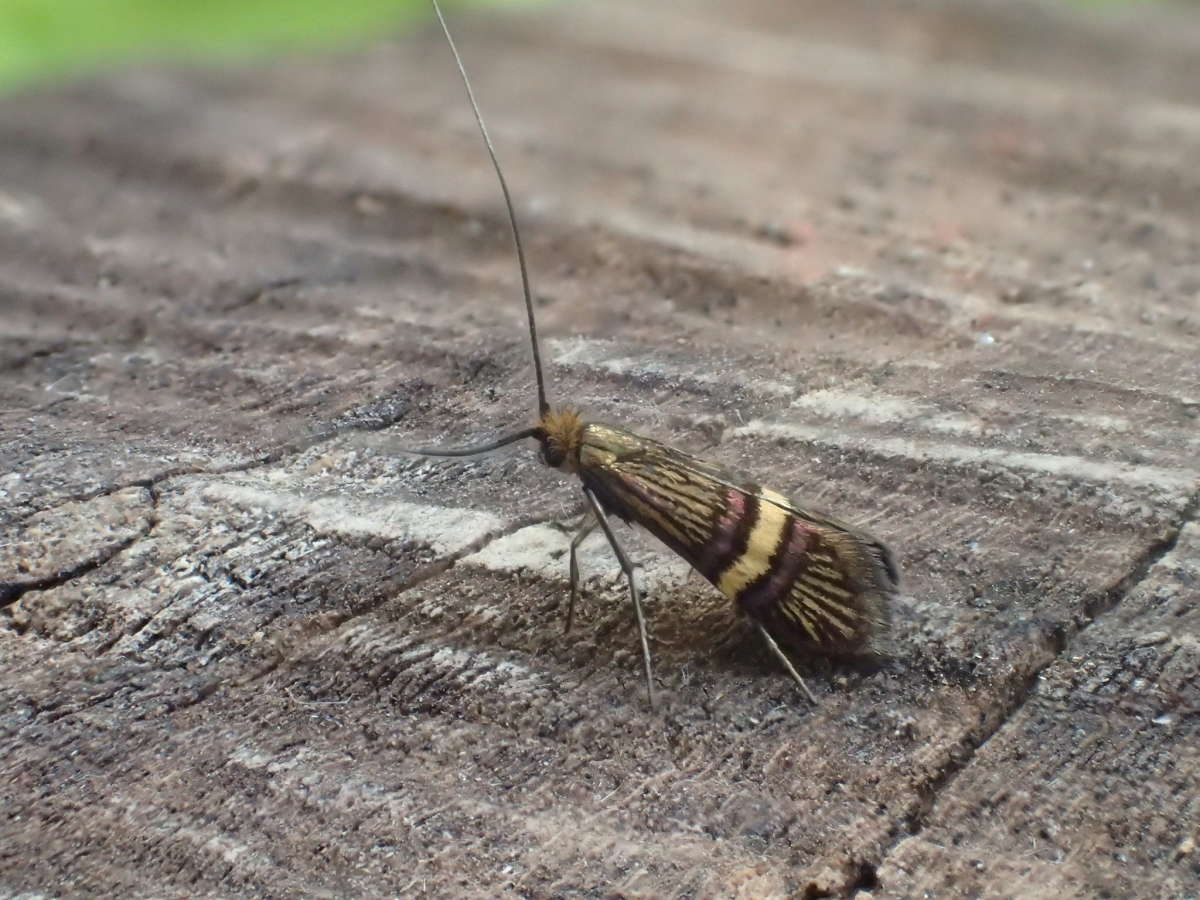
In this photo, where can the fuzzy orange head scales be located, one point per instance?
(561, 434)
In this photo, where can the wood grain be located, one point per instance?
(932, 268)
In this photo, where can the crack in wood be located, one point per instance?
(12, 591)
(960, 757)
(354, 421)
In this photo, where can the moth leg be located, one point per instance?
(588, 526)
(627, 568)
(787, 663)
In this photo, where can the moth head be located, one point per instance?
(560, 433)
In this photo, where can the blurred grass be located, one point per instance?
(42, 39)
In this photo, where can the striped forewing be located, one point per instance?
(810, 579)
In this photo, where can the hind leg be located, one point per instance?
(787, 663)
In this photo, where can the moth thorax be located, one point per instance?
(561, 434)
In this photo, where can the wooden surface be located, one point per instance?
(934, 268)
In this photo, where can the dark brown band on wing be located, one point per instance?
(786, 564)
(730, 534)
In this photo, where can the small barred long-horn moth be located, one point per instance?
(803, 578)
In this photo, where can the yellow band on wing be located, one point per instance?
(770, 529)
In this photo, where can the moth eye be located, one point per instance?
(553, 455)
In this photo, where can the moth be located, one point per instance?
(804, 579)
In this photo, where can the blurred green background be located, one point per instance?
(42, 39)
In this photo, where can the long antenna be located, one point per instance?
(477, 449)
(543, 406)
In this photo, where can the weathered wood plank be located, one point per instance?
(1089, 789)
(934, 268)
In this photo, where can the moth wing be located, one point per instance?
(811, 579)
(671, 495)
